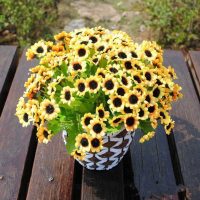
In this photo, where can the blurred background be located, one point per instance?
(172, 23)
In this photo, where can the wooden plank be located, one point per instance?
(186, 113)
(8, 57)
(152, 167)
(98, 185)
(52, 174)
(194, 66)
(14, 140)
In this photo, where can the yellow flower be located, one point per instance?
(61, 36)
(78, 154)
(157, 92)
(83, 142)
(164, 116)
(133, 99)
(77, 66)
(49, 109)
(97, 127)
(101, 113)
(143, 113)
(67, 95)
(81, 51)
(147, 137)
(24, 117)
(101, 72)
(116, 103)
(131, 122)
(115, 121)
(85, 120)
(168, 127)
(172, 72)
(39, 48)
(126, 81)
(113, 68)
(96, 144)
(30, 54)
(153, 110)
(81, 86)
(44, 135)
(121, 90)
(109, 84)
(93, 84)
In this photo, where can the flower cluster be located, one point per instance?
(93, 82)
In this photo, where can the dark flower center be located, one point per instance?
(158, 82)
(116, 120)
(137, 67)
(117, 102)
(77, 66)
(84, 142)
(109, 85)
(97, 128)
(101, 48)
(133, 99)
(120, 91)
(162, 115)
(87, 121)
(130, 121)
(156, 92)
(141, 113)
(113, 70)
(84, 42)
(50, 109)
(122, 55)
(151, 109)
(148, 99)
(101, 113)
(148, 76)
(94, 39)
(101, 74)
(95, 60)
(67, 95)
(25, 117)
(45, 133)
(128, 65)
(93, 84)
(77, 153)
(148, 53)
(81, 52)
(124, 80)
(137, 78)
(40, 50)
(113, 57)
(168, 126)
(133, 54)
(81, 87)
(95, 142)
(127, 110)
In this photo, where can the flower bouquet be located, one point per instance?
(98, 87)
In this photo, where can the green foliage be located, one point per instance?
(176, 22)
(29, 19)
(146, 126)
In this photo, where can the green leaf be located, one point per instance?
(146, 126)
(63, 68)
(102, 63)
(54, 126)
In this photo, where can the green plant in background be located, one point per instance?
(29, 20)
(175, 22)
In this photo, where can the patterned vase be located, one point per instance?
(115, 146)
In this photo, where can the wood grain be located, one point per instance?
(186, 113)
(105, 185)
(52, 174)
(8, 55)
(152, 167)
(14, 140)
(194, 66)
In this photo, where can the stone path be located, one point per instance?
(111, 14)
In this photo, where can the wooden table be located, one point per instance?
(167, 167)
